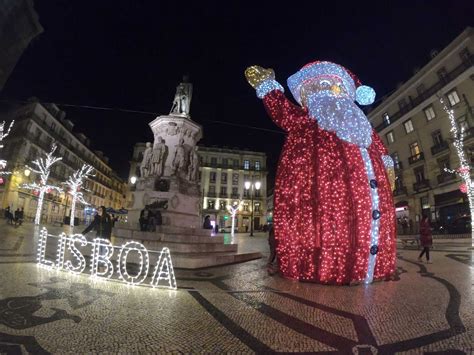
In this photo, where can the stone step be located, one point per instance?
(192, 261)
(180, 247)
(172, 238)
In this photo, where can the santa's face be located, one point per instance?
(329, 103)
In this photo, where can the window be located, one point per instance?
(442, 74)
(402, 104)
(212, 176)
(396, 160)
(386, 119)
(235, 179)
(257, 207)
(408, 126)
(415, 149)
(420, 89)
(211, 204)
(246, 164)
(53, 126)
(212, 189)
(462, 123)
(224, 178)
(257, 193)
(419, 174)
(223, 190)
(213, 161)
(444, 164)
(222, 205)
(246, 207)
(465, 55)
(225, 162)
(429, 113)
(390, 137)
(437, 138)
(235, 191)
(453, 97)
(236, 163)
(246, 193)
(257, 165)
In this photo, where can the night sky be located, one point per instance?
(132, 54)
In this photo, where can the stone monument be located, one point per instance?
(168, 171)
(168, 183)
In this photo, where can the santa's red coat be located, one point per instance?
(323, 207)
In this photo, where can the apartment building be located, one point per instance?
(37, 127)
(417, 132)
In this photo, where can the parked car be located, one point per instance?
(227, 229)
(459, 225)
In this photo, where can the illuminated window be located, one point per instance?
(386, 119)
(222, 205)
(257, 207)
(429, 113)
(453, 97)
(246, 164)
(235, 179)
(415, 149)
(408, 126)
(211, 204)
(390, 137)
(246, 207)
(257, 165)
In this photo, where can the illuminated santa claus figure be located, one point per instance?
(334, 218)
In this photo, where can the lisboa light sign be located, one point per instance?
(101, 254)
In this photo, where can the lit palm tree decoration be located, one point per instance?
(75, 183)
(3, 135)
(233, 211)
(464, 170)
(43, 169)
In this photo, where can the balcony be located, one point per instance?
(235, 196)
(442, 178)
(211, 194)
(223, 195)
(438, 148)
(398, 166)
(421, 185)
(402, 190)
(413, 102)
(416, 158)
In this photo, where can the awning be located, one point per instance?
(401, 204)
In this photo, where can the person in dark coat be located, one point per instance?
(272, 243)
(207, 222)
(102, 224)
(17, 216)
(426, 238)
(143, 220)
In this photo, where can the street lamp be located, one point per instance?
(252, 186)
(133, 180)
(27, 172)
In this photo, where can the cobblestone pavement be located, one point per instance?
(236, 308)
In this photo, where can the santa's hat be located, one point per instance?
(363, 94)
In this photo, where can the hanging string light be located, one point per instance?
(464, 170)
(75, 183)
(43, 169)
(233, 209)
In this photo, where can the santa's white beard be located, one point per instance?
(342, 116)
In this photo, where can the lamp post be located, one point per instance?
(251, 186)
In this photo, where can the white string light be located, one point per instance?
(122, 263)
(102, 258)
(44, 169)
(233, 209)
(76, 253)
(161, 274)
(74, 183)
(464, 170)
(3, 135)
(43, 236)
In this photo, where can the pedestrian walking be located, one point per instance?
(271, 268)
(207, 222)
(426, 238)
(16, 218)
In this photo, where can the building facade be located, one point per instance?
(223, 173)
(37, 127)
(416, 129)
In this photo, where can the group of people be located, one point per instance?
(149, 220)
(15, 218)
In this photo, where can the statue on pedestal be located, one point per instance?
(179, 159)
(193, 165)
(182, 99)
(157, 158)
(145, 166)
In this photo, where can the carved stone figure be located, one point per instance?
(145, 165)
(179, 159)
(193, 165)
(182, 99)
(157, 157)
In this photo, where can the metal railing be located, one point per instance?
(416, 158)
(438, 148)
(421, 185)
(442, 178)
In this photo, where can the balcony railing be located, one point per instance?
(442, 178)
(211, 194)
(413, 102)
(438, 148)
(223, 195)
(402, 190)
(398, 165)
(234, 196)
(416, 158)
(421, 185)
